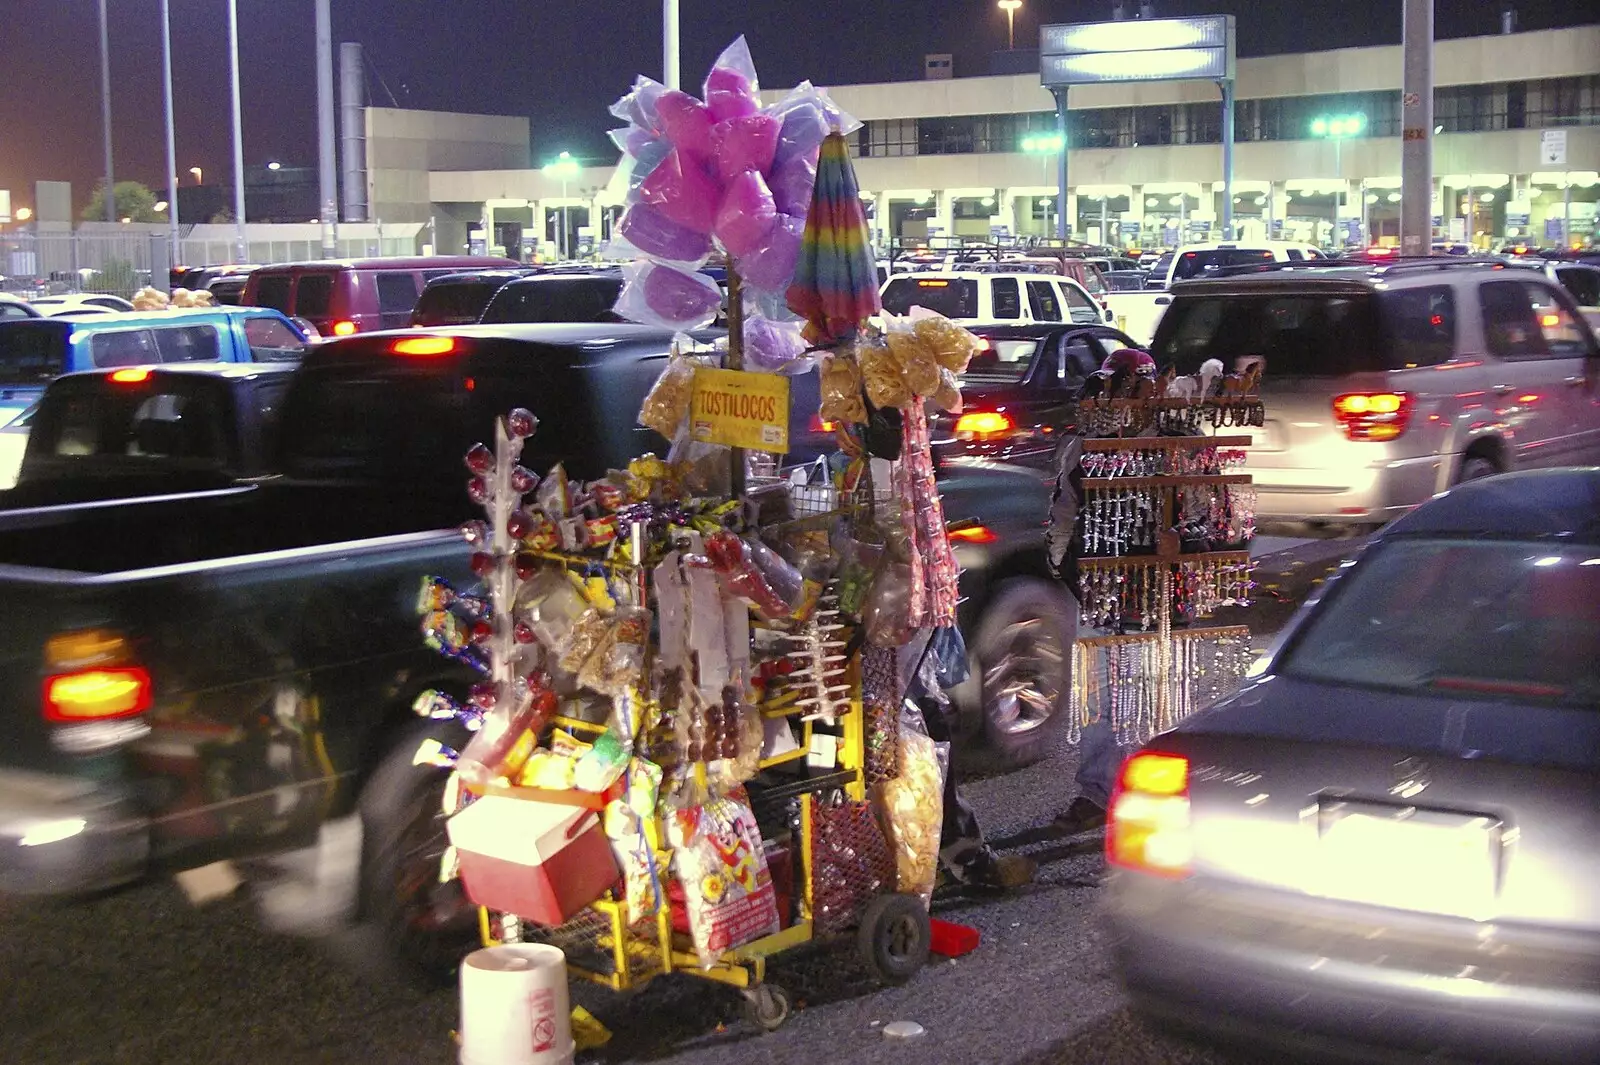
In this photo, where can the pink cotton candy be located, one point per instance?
(746, 143)
(687, 123)
(793, 183)
(652, 232)
(729, 94)
(771, 266)
(747, 214)
(683, 192)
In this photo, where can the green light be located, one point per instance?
(1042, 142)
(1338, 125)
(564, 165)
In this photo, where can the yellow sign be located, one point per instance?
(740, 409)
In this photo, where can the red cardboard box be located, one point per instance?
(541, 861)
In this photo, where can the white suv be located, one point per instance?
(977, 298)
(1193, 261)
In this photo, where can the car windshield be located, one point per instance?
(1192, 264)
(454, 302)
(1523, 623)
(32, 353)
(567, 299)
(953, 297)
(1001, 359)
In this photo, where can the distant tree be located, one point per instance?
(135, 202)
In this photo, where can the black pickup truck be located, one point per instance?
(227, 673)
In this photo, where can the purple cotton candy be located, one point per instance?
(683, 192)
(652, 232)
(747, 214)
(804, 128)
(679, 298)
(745, 143)
(729, 94)
(771, 266)
(687, 123)
(793, 183)
(773, 347)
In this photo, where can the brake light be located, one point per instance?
(1373, 415)
(97, 694)
(344, 328)
(973, 534)
(819, 424)
(984, 425)
(132, 375)
(1148, 825)
(424, 346)
(933, 284)
(1380, 252)
(1549, 321)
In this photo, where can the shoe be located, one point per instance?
(985, 870)
(1083, 815)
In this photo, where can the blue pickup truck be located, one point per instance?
(35, 351)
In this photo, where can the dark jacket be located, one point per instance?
(1065, 501)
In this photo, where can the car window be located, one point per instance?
(1525, 623)
(397, 292)
(313, 295)
(1421, 324)
(123, 347)
(13, 310)
(1510, 328)
(176, 425)
(1295, 256)
(32, 354)
(573, 299)
(1077, 301)
(1002, 358)
(1302, 335)
(953, 297)
(454, 302)
(1563, 336)
(1042, 301)
(1007, 298)
(1583, 283)
(273, 291)
(110, 303)
(271, 340)
(190, 343)
(1080, 359)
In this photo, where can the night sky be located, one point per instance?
(561, 62)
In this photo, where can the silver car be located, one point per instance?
(1386, 841)
(1385, 385)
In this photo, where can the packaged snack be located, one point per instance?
(645, 227)
(658, 294)
(746, 215)
(731, 89)
(731, 559)
(722, 869)
(952, 345)
(948, 395)
(886, 610)
(912, 807)
(502, 744)
(922, 372)
(774, 347)
(549, 770)
(840, 386)
(598, 532)
(601, 765)
(745, 143)
(635, 857)
(591, 636)
(681, 189)
(686, 122)
(551, 607)
(555, 495)
(770, 266)
(622, 669)
(883, 374)
(667, 404)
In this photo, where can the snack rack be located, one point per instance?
(1157, 672)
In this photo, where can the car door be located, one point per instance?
(1526, 372)
(1043, 302)
(1583, 285)
(1081, 307)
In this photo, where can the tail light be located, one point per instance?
(819, 424)
(92, 682)
(1373, 415)
(344, 328)
(973, 534)
(981, 425)
(1148, 827)
(130, 375)
(97, 694)
(429, 345)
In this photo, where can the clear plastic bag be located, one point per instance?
(840, 387)
(774, 347)
(666, 405)
(912, 805)
(665, 296)
(732, 89)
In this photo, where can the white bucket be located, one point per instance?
(514, 1006)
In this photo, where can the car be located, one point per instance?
(345, 296)
(1198, 260)
(566, 297)
(1124, 280)
(974, 299)
(1383, 844)
(228, 291)
(459, 299)
(1386, 384)
(16, 307)
(66, 303)
(13, 443)
(1581, 280)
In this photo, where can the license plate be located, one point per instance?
(1416, 860)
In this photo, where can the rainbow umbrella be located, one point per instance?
(835, 283)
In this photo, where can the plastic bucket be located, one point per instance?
(514, 1006)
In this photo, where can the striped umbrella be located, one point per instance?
(835, 285)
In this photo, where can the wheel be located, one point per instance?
(894, 937)
(766, 1007)
(420, 929)
(1023, 650)
(1476, 467)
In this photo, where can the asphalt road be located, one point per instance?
(142, 978)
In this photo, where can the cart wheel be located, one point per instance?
(767, 1007)
(894, 937)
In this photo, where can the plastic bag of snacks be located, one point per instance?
(949, 343)
(722, 868)
(883, 372)
(550, 606)
(840, 386)
(666, 405)
(912, 805)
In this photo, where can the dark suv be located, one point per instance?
(460, 299)
(556, 297)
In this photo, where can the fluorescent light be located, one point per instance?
(1125, 37)
(1150, 65)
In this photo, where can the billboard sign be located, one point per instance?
(1163, 49)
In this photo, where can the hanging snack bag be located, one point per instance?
(840, 386)
(949, 343)
(883, 372)
(550, 606)
(912, 806)
(722, 869)
(666, 406)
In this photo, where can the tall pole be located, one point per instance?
(327, 188)
(172, 141)
(1227, 158)
(110, 198)
(1416, 123)
(242, 246)
(564, 255)
(1061, 164)
(669, 43)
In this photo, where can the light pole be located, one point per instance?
(1010, 8)
(1336, 128)
(669, 43)
(172, 144)
(565, 167)
(243, 248)
(110, 197)
(1053, 144)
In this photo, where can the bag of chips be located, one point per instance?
(912, 805)
(840, 385)
(722, 868)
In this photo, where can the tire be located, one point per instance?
(767, 1007)
(1476, 467)
(1023, 656)
(895, 937)
(420, 928)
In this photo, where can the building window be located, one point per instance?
(944, 136)
(1563, 102)
(892, 136)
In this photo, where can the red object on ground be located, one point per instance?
(952, 940)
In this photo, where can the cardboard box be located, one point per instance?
(541, 861)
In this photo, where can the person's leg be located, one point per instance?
(1098, 760)
(963, 852)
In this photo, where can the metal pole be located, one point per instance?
(1104, 222)
(669, 43)
(1334, 240)
(1566, 209)
(1472, 211)
(1416, 122)
(110, 198)
(1227, 158)
(1061, 164)
(327, 184)
(564, 255)
(242, 250)
(172, 143)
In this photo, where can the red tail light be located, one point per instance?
(820, 425)
(981, 425)
(973, 534)
(344, 328)
(130, 375)
(1373, 415)
(1379, 251)
(91, 677)
(1148, 826)
(429, 345)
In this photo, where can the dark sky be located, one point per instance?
(561, 62)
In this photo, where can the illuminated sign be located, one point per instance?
(1168, 49)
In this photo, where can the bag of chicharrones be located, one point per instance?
(666, 407)
(722, 868)
(912, 805)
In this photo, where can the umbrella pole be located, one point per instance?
(735, 360)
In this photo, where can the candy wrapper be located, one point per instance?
(665, 296)
(550, 607)
(840, 387)
(666, 406)
(911, 806)
(731, 89)
(775, 593)
(636, 858)
(722, 868)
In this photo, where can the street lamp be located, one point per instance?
(1336, 128)
(24, 213)
(565, 167)
(274, 165)
(199, 177)
(1042, 143)
(1010, 8)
